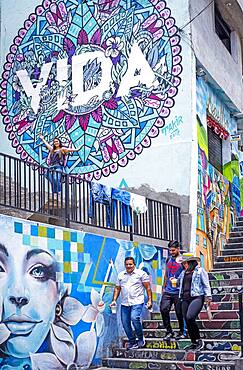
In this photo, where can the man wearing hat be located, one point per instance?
(194, 290)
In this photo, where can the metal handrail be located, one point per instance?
(240, 295)
(25, 186)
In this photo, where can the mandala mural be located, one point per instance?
(100, 75)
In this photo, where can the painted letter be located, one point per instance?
(34, 92)
(62, 77)
(78, 62)
(136, 62)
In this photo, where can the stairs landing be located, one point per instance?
(221, 336)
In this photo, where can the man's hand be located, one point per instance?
(113, 303)
(208, 300)
(149, 304)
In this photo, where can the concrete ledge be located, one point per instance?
(239, 363)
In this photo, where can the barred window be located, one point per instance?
(215, 150)
(222, 29)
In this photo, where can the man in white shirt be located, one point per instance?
(131, 283)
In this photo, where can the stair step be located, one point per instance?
(175, 355)
(238, 227)
(226, 270)
(223, 282)
(233, 245)
(222, 306)
(124, 363)
(205, 324)
(232, 252)
(204, 333)
(223, 296)
(227, 264)
(225, 275)
(209, 344)
(216, 307)
(235, 239)
(226, 289)
(227, 315)
(230, 259)
(236, 233)
(225, 305)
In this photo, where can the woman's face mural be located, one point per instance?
(53, 309)
(28, 296)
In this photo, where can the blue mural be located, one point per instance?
(55, 290)
(100, 76)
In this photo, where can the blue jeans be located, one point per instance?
(54, 175)
(132, 314)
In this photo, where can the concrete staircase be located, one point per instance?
(221, 336)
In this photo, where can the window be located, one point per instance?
(215, 150)
(222, 29)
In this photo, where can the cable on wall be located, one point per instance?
(197, 15)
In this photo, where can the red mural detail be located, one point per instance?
(218, 129)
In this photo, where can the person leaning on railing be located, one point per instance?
(56, 162)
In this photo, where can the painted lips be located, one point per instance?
(20, 325)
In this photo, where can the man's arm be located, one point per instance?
(115, 295)
(149, 293)
(165, 277)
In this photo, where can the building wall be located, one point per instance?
(66, 280)
(240, 3)
(224, 68)
(218, 194)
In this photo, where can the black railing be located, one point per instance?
(25, 186)
(241, 320)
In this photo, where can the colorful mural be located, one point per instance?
(218, 200)
(55, 287)
(101, 76)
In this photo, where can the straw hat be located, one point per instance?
(186, 257)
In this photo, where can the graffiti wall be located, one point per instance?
(218, 200)
(106, 78)
(55, 288)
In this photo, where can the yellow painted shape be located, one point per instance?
(42, 231)
(66, 235)
(80, 247)
(67, 267)
(155, 264)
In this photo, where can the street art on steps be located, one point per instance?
(170, 355)
(168, 365)
(218, 201)
(98, 75)
(55, 287)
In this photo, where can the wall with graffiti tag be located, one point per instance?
(55, 288)
(107, 78)
(218, 199)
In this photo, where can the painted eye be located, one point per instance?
(42, 272)
(39, 272)
(1, 269)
